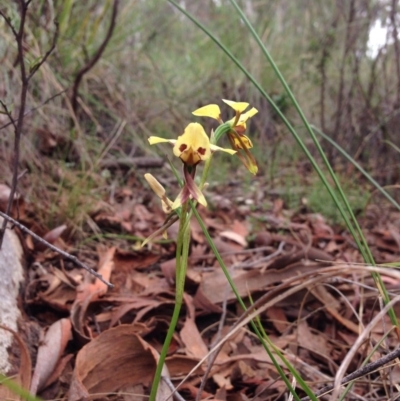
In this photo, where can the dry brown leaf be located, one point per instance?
(240, 227)
(117, 357)
(23, 378)
(168, 268)
(135, 304)
(312, 342)
(222, 382)
(127, 261)
(98, 288)
(190, 335)
(181, 365)
(54, 234)
(214, 284)
(235, 237)
(332, 305)
(49, 353)
(278, 318)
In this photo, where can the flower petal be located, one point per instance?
(243, 143)
(193, 189)
(245, 116)
(182, 197)
(211, 110)
(158, 189)
(243, 153)
(240, 107)
(193, 146)
(215, 148)
(156, 139)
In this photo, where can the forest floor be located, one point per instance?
(314, 295)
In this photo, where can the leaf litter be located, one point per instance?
(100, 343)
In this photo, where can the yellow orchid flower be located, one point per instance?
(238, 122)
(192, 147)
(239, 142)
(240, 126)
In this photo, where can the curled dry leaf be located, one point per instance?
(23, 378)
(235, 237)
(89, 292)
(117, 357)
(98, 288)
(49, 353)
(54, 234)
(312, 342)
(190, 334)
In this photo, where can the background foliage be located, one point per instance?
(158, 67)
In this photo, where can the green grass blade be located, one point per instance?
(254, 326)
(17, 389)
(351, 223)
(359, 168)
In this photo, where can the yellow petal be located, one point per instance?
(166, 205)
(215, 148)
(243, 143)
(245, 116)
(237, 106)
(179, 199)
(158, 189)
(156, 139)
(193, 146)
(241, 123)
(211, 110)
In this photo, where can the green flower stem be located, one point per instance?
(182, 252)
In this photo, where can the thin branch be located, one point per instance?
(213, 356)
(54, 248)
(8, 114)
(95, 58)
(365, 370)
(8, 22)
(36, 108)
(393, 14)
(47, 54)
(24, 91)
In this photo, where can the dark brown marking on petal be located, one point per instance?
(202, 151)
(183, 147)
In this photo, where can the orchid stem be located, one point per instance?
(182, 252)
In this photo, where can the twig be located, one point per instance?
(54, 248)
(94, 59)
(8, 114)
(213, 356)
(171, 386)
(35, 108)
(25, 77)
(395, 35)
(369, 368)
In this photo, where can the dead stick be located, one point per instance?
(25, 78)
(360, 372)
(95, 58)
(54, 248)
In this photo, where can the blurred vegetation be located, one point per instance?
(158, 67)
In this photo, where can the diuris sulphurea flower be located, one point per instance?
(239, 142)
(192, 147)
